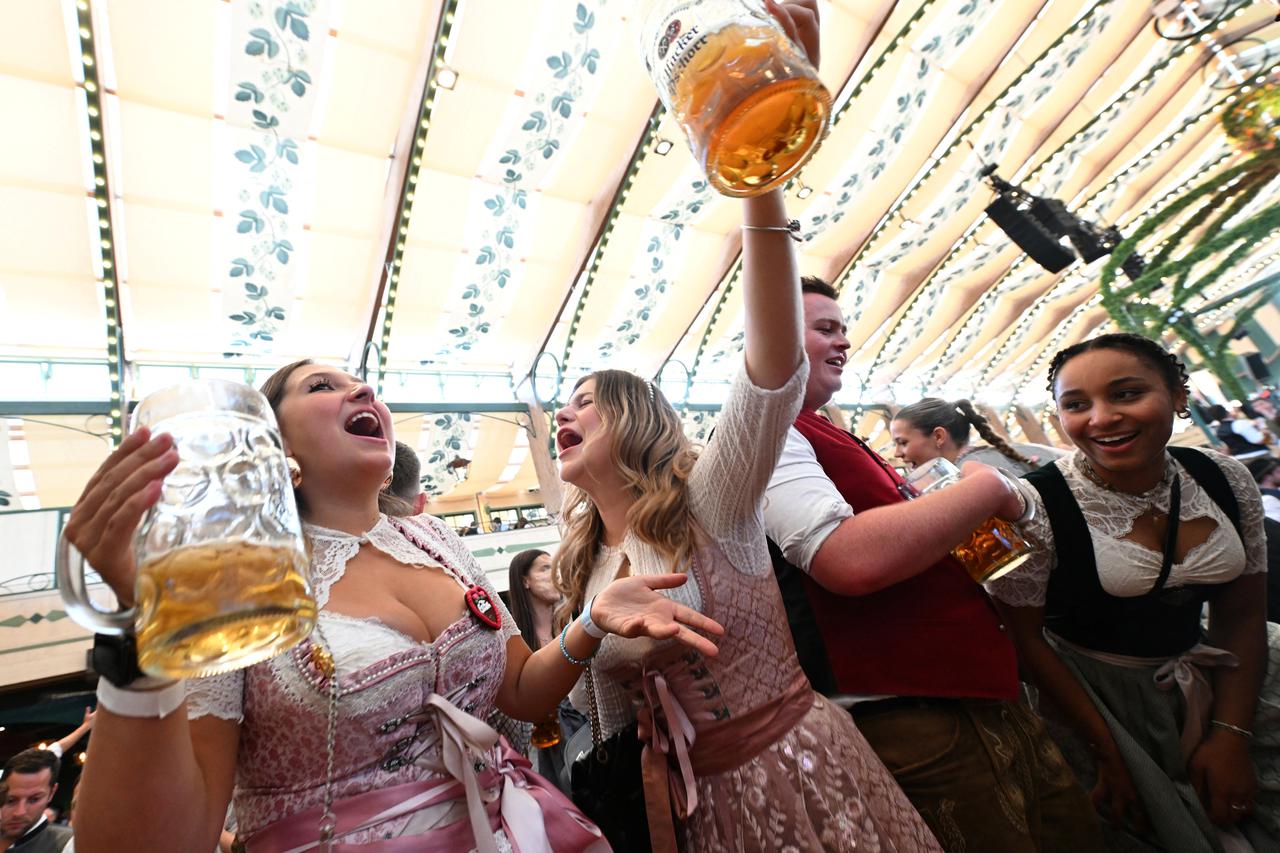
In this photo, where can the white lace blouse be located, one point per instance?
(1126, 568)
(726, 490)
(355, 642)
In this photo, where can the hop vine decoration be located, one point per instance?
(1208, 240)
(1254, 119)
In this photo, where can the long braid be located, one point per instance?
(989, 435)
(1169, 365)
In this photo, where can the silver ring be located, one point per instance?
(1239, 808)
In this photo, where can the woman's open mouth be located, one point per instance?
(1115, 443)
(364, 425)
(566, 439)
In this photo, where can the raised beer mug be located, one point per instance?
(995, 547)
(223, 576)
(748, 99)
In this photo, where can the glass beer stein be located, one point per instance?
(546, 732)
(749, 101)
(223, 576)
(995, 547)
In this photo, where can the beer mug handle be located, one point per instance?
(69, 568)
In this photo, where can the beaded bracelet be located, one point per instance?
(1244, 733)
(564, 650)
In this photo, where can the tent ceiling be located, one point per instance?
(465, 184)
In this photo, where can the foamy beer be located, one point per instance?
(749, 101)
(223, 579)
(995, 547)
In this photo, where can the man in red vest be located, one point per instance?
(896, 631)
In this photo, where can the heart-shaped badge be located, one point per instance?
(482, 607)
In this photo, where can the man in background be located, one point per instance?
(30, 778)
(406, 478)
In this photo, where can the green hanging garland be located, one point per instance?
(1227, 193)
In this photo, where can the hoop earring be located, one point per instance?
(295, 471)
(1184, 413)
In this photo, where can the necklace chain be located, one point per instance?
(1092, 474)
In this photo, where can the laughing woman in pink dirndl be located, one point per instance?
(740, 753)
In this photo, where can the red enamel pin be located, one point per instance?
(481, 607)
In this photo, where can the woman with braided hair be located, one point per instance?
(933, 427)
(1172, 725)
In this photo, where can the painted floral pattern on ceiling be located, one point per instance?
(273, 69)
(1052, 175)
(1098, 208)
(698, 425)
(551, 111)
(927, 58)
(654, 268)
(995, 130)
(447, 439)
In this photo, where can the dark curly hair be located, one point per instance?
(1168, 365)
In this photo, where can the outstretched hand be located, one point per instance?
(799, 18)
(119, 493)
(630, 607)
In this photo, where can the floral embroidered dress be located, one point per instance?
(414, 768)
(1157, 709)
(756, 760)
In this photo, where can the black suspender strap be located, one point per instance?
(1170, 535)
(1209, 477)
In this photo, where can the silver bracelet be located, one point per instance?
(791, 229)
(1219, 724)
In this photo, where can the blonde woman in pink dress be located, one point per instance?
(370, 735)
(740, 753)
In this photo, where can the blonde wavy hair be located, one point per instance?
(648, 447)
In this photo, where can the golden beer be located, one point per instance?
(994, 549)
(546, 733)
(749, 101)
(218, 606)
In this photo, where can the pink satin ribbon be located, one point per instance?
(671, 736)
(671, 763)
(1182, 672)
(536, 816)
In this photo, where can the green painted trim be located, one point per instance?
(91, 61)
(87, 638)
(46, 408)
(638, 155)
(399, 233)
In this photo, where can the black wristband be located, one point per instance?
(115, 658)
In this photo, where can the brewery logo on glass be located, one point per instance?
(664, 44)
(748, 99)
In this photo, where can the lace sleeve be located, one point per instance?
(728, 482)
(1251, 514)
(1026, 585)
(219, 695)
(461, 558)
